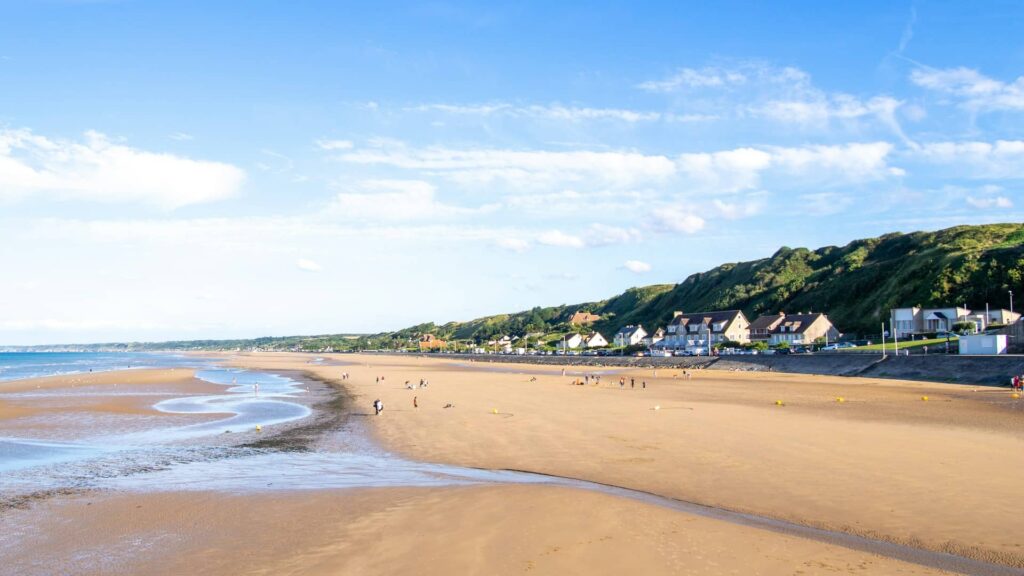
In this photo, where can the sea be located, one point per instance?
(18, 365)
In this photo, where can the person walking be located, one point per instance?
(645, 385)
(378, 406)
(414, 403)
(632, 384)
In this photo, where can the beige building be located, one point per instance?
(797, 329)
(699, 330)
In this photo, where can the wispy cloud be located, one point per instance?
(637, 266)
(397, 200)
(683, 78)
(180, 136)
(976, 91)
(99, 169)
(525, 167)
(999, 160)
(308, 265)
(549, 112)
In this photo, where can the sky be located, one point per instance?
(211, 169)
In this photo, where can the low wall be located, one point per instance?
(976, 370)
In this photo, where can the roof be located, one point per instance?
(798, 323)
(710, 318)
(629, 330)
(581, 317)
(766, 321)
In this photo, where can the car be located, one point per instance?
(830, 347)
(846, 345)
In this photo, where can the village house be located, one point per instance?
(801, 329)
(595, 340)
(430, 342)
(905, 322)
(569, 342)
(761, 328)
(700, 330)
(653, 339)
(629, 335)
(581, 318)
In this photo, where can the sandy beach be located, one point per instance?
(936, 474)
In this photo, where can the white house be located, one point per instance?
(630, 335)
(796, 329)
(595, 340)
(570, 342)
(983, 344)
(914, 320)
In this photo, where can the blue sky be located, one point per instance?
(216, 169)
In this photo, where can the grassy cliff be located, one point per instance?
(855, 284)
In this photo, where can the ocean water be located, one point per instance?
(18, 365)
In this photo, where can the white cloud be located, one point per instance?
(743, 168)
(709, 77)
(677, 219)
(513, 244)
(595, 235)
(324, 144)
(978, 92)
(994, 202)
(98, 169)
(637, 267)
(1003, 159)
(397, 200)
(560, 239)
(308, 265)
(605, 235)
(180, 136)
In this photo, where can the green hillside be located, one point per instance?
(855, 284)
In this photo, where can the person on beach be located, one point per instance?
(378, 406)
(632, 384)
(414, 403)
(378, 379)
(644, 386)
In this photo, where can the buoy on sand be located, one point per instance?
(494, 411)
(779, 403)
(1015, 396)
(924, 398)
(658, 407)
(840, 399)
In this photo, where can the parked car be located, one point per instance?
(830, 347)
(846, 345)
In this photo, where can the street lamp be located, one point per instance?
(1011, 302)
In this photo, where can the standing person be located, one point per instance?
(414, 403)
(645, 385)
(622, 383)
(632, 384)
(378, 379)
(378, 406)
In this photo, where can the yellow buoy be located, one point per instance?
(1015, 396)
(924, 398)
(658, 407)
(495, 411)
(840, 399)
(259, 428)
(779, 403)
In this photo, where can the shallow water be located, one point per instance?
(19, 365)
(251, 399)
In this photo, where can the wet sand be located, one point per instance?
(467, 530)
(61, 406)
